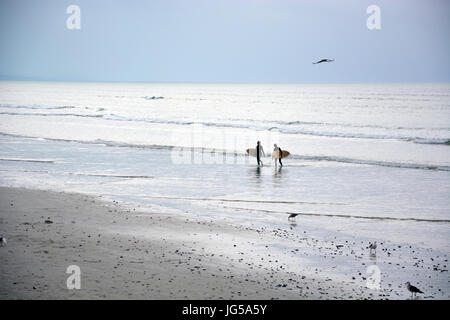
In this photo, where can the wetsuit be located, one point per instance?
(258, 151)
(280, 152)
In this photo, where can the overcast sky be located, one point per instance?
(225, 41)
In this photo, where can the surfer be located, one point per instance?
(278, 149)
(259, 152)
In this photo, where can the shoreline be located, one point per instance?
(131, 253)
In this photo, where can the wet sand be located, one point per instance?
(124, 253)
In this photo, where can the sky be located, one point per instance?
(272, 41)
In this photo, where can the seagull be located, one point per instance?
(292, 216)
(3, 241)
(373, 246)
(413, 289)
(323, 60)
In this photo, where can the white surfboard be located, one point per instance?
(251, 152)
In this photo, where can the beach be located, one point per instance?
(125, 253)
(128, 252)
(148, 189)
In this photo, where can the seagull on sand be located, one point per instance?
(323, 60)
(292, 216)
(3, 241)
(373, 246)
(413, 289)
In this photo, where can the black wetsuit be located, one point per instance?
(279, 159)
(257, 153)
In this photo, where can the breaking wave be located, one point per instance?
(286, 127)
(404, 165)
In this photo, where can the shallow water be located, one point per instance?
(369, 162)
(345, 193)
(376, 151)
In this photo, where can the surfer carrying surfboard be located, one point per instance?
(259, 152)
(277, 151)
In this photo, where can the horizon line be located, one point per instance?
(222, 82)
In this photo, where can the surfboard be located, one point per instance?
(251, 152)
(284, 154)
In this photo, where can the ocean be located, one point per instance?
(368, 161)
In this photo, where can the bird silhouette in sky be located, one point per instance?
(323, 60)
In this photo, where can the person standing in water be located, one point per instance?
(278, 149)
(259, 152)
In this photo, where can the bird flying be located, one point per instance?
(323, 60)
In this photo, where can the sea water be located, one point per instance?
(370, 161)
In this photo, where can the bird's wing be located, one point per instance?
(415, 289)
(323, 60)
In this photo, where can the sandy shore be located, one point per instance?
(124, 253)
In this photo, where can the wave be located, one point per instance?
(104, 116)
(53, 114)
(107, 143)
(337, 124)
(111, 175)
(152, 97)
(36, 107)
(245, 200)
(159, 121)
(300, 131)
(273, 123)
(103, 175)
(403, 165)
(432, 141)
(342, 215)
(28, 160)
